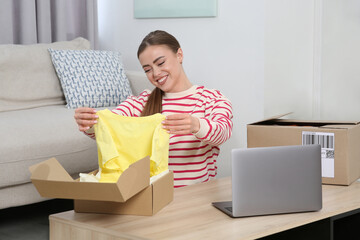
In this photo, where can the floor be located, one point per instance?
(30, 222)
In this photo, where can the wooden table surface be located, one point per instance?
(191, 216)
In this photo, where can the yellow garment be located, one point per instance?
(123, 140)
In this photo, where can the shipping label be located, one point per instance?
(327, 142)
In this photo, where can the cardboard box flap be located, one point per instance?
(307, 123)
(163, 185)
(272, 118)
(48, 178)
(77, 190)
(138, 174)
(340, 126)
(51, 170)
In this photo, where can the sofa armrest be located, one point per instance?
(138, 82)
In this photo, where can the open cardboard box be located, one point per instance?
(131, 194)
(340, 143)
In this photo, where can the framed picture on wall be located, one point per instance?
(175, 8)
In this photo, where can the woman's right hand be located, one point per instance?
(85, 118)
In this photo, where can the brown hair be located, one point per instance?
(158, 37)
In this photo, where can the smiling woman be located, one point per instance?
(161, 57)
(198, 119)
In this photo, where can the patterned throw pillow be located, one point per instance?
(91, 78)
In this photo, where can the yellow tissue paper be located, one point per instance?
(123, 140)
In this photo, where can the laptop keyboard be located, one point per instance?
(229, 209)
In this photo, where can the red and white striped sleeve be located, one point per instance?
(216, 126)
(133, 105)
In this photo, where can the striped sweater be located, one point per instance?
(192, 157)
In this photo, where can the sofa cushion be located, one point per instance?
(19, 195)
(38, 134)
(27, 76)
(91, 78)
(138, 82)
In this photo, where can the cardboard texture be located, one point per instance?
(339, 140)
(146, 203)
(133, 189)
(52, 181)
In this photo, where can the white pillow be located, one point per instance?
(91, 78)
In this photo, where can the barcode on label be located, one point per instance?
(326, 140)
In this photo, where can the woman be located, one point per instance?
(198, 119)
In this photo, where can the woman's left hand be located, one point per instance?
(182, 123)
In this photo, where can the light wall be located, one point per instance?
(312, 65)
(289, 53)
(268, 57)
(340, 60)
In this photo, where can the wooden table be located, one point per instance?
(191, 216)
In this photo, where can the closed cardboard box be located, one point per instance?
(131, 194)
(340, 143)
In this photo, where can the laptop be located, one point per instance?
(274, 180)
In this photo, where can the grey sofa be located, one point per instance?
(35, 125)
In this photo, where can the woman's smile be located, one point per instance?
(161, 81)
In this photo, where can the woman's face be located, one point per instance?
(163, 67)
